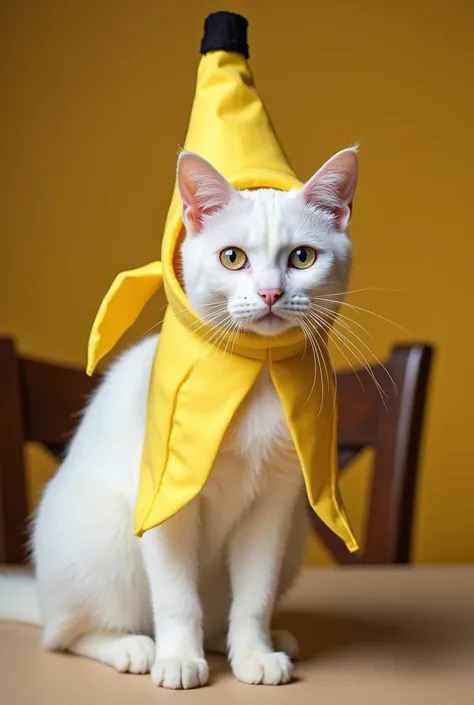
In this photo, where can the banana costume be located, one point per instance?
(191, 405)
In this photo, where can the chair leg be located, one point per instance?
(13, 504)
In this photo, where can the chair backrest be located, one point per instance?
(41, 402)
(392, 426)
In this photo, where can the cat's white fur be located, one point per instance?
(212, 573)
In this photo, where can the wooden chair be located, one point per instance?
(40, 402)
(393, 429)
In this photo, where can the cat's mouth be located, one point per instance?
(270, 316)
(269, 323)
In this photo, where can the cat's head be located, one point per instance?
(265, 261)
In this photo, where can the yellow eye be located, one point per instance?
(302, 257)
(233, 258)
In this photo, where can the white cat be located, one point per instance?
(209, 577)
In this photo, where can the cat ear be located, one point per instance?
(202, 189)
(332, 188)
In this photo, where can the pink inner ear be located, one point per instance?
(193, 217)
(203, 190)
(332, 188)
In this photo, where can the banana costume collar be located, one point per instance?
(197, 386)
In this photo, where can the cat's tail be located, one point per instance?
(18, 601)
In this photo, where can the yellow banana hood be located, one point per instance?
(190, 405)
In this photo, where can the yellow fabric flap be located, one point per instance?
(120, 308)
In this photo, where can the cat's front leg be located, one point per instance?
(170, 553)
(256, 553)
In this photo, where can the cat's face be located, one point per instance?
(266, 261)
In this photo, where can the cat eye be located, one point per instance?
(233, 258)
(302, 257)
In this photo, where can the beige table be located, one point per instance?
(389, 636)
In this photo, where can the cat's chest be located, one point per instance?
(259, 430)
(256, 452)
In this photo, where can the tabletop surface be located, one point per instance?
(368, 636)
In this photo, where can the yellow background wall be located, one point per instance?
(95, 100)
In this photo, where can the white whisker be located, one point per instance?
(317, 331)
(308, 333)
(351, 347)
(361, 309)
(329, 331)
(232, 334)
(180, 314)
(207, 321)
(379, 362)
(367, 289)
(336, 316)
(216, 331)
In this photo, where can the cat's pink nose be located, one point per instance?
(270, 296)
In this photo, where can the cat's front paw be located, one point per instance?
(132, 654)
(259, 667)
(178, 673)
